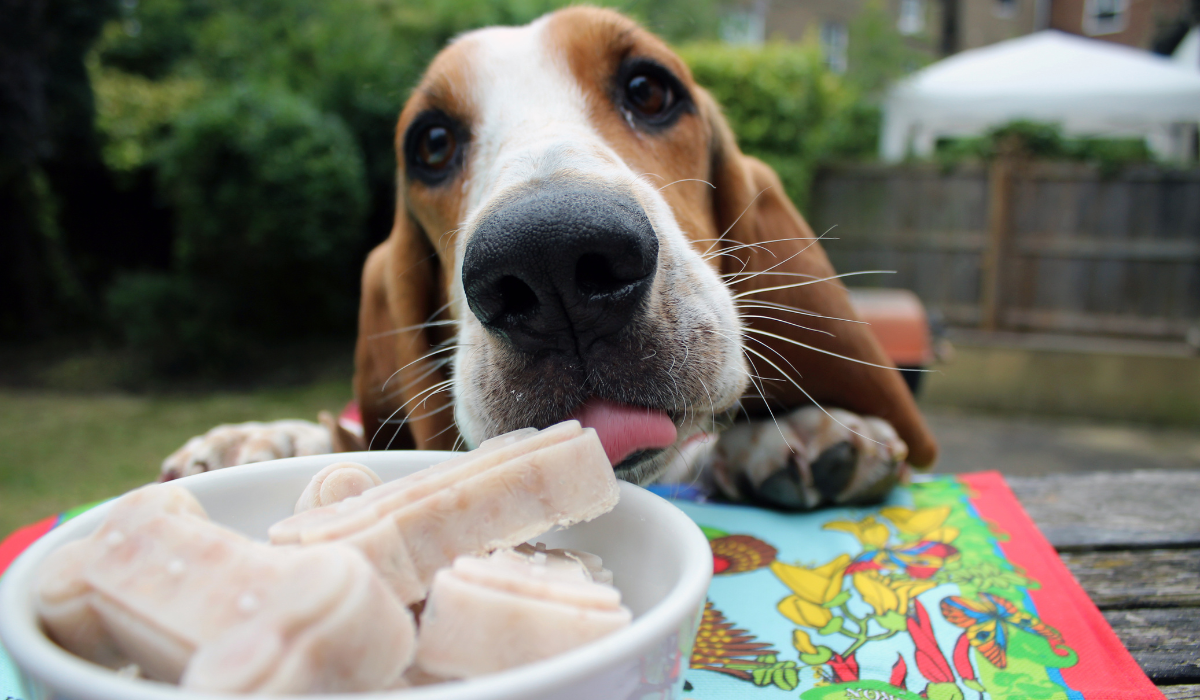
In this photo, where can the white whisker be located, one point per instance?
(422, 358)
(687, 179)
(431, 391)
(735, 221)
(810, 398)
(436, 387)
(824, 352)
(761, 245)
(788, 258)
(794, 325)
(433, 367)
(759, 304)
(805, 284)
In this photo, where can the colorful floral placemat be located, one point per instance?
(947, 592)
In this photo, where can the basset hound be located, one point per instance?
(577, 235)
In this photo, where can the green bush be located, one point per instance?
(135, 114)
(261, 183)
(179, 324)
(268, 195)
(784, 105)
(1045, 142)
(276, 198)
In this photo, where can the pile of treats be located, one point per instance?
(369, 586)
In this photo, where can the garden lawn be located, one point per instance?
(59, 450)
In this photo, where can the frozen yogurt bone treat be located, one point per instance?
(510, 489)
(336, 483)
(160, 585)
(511, 608)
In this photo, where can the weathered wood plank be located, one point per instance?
(1114, 510)
(1154, 578)
(1165, 643)
(1086, 253)
(1181, 692)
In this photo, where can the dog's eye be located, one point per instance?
(649, 95)
(435, 147)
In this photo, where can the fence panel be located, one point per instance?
(1024, 245)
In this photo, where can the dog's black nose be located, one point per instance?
(560, 266)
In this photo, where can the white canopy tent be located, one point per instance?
(1088, 87)
(1187, 54)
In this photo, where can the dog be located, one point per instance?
(577, 235)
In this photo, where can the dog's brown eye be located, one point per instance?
(435, 148)
(649, 95)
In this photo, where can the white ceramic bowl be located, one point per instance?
(661, 562)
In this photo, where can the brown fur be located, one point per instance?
(406, 279)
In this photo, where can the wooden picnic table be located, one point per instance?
(1132, 539)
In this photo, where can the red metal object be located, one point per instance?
(899, 322)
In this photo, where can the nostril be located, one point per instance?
(516, 297)
(594, 276)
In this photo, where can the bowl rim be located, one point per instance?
(35, 654)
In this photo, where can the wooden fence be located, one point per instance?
(1020, 245)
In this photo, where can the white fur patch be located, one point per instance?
(532, 123)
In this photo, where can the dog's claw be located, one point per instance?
(786, 489)
(833, 469)
(808, 459)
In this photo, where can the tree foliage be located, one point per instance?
(258, 135)
(783, 105)
(46, 145)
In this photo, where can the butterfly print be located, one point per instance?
(988, 622)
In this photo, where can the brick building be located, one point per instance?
(944, 27)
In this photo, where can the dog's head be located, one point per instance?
(578, 235)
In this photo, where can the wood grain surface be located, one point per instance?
(1151, 578)
(1165, 642)
(1132, 540)
(1114, 510)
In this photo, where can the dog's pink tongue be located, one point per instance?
(624, 430)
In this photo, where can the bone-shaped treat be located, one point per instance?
(569, 559)
(188, 601)
(336, 483)
(488, 614)
(511, 489)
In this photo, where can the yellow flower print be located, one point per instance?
(876, 592)
(804, 613)
(818, 585)
(884, 593)
(870, 532)
(926, 523)
(811, 589)
(803, 644)
(907, 589)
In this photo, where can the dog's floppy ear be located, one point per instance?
(766, 232)
(396, 380)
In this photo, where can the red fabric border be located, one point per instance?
(1105, 671)
(20, 540)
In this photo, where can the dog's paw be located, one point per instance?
(243, 443)
(809, 458)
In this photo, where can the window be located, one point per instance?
(834, 42)
(912, 17)
(746, 24)
(1105, 16)
(1005, 8)
(742, 27)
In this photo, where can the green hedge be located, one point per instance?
(785, 107)
(268, 127)
(268, 195)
